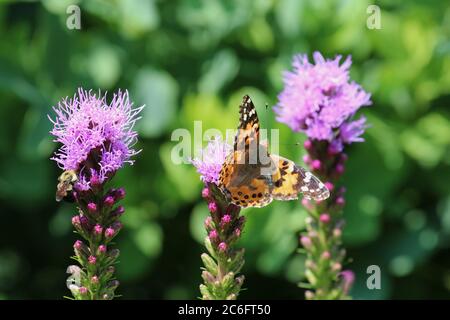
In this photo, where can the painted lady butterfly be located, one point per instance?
(251, 177)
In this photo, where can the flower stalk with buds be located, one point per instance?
(224, 225)
(320, 100)
(97, 140)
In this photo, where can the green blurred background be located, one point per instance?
(193, 60)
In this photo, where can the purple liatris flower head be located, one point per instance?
(320, 100)
(97, 137)
(211, 159)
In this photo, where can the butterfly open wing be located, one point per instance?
(240, 178)
(248, 182)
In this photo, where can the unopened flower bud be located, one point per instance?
(340, 168)
(307, 144)
(213, 235)
(307, 159)
(208, 223)
(92, 260)
(306, 242)
(316, 164)
(336, 267)
(329, 185)
(212, 207)
(205, 193)
(223, 247)
(116, 213)
(340, 201)
(98, 230)
(337, 232)
(101, 249)
(83, 290)
(92, 207)
(326, 255)
(120, 194)
(226, 219)
(325, 218)
(109, 201)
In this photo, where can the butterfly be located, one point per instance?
(251, 177)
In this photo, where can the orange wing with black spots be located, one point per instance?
(250, 177)
(241, 178)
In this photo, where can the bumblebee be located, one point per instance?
(65, 184)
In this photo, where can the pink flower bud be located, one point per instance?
(205, 193)
(226, 219)
(237, 232)
(212, 207)
(84, 221)
(316, 164)
(92, 207)
(95, 180)
(340, 201)
(223, 247)
(336, 267)
(326, 255)
(83, 290)
(325, 218)
(337, 233)
(78, 245)
(213, 235)
(98, 229)
(120, 194)
(109, 232)
(101, 249)
(306, 203)
(94, 279)
(306, 159)
(208, 222)
(344, 157)
(306, 242)
(109, 201)
(92, 260)
(329, 186)
(76, 221)
(348, 277)
(340, 168)
(307, 144)
(118, 211)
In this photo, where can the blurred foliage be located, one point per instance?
(193, 60)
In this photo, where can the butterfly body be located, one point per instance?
(251, 177)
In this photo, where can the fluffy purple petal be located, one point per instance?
(97, 137)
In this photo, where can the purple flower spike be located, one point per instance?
(90, 128)
(97, 140)
(319, 99)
